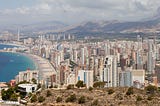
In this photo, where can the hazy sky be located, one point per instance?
(75, 11)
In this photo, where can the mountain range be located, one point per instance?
(147, 26)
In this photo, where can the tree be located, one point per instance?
(99, 84)
(70, 86)
(41, 99)
(150, 98)
(130, 91)
(81, 100)
(90, 88)
(71, 98)
(34, 80)
(59, 99)
(151, 89)
(33, 98)
(6, 94)
(139, 98)
(49, 93)
(38, 86)
(55, 86)
(14, 97)
(80, 84)
(95, 103)
(110, 91)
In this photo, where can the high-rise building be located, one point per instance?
(86, 76)
(138, 78)
(27, 76)
(110, 71)
(125, 79)
(82, 56)
(150, 61)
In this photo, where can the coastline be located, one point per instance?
(32, 59)
(41, 64)
(12, 63)
(12, 44)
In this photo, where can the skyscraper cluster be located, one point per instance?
(116, 63)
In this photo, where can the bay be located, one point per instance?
(12, 63)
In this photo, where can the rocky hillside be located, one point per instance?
(98, 97)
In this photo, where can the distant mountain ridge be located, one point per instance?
(90, 27)
(35, 27)
(116, 26)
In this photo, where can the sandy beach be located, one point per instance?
(43, 65)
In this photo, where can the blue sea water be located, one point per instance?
(12, 63)
(2, 46)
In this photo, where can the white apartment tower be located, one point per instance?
(82, 56)
(110, 74)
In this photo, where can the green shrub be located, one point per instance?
(81, 100)
(95, 103)
(33, 98)
(151, 89)
(59, 99)
(41, 99)
(139, 98)
(55, 86)
(71, 86)
(149, 98)
(99, 84)
(6, 94)
(39, 86)
(30, 94)
(34, 80)
(14, 97)
(130, 91)
(71, 98)
(90, 88)
(49, 93)
(79, 84)
(110, 91)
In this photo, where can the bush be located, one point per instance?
(59, 99)
(14, 97)
(90, 88)
(110, 91)
(30, 94)
(71, 86)
(79, 84)
(130, 91)
(41, 99)
(149, 98)
(49, 93)
(81, 100)
(33, 98)
(95, 103)
(38, 86)
(34, 81)
(55, 86)
(71, 98)
(6, 94)
(139, 98)
(151, 89)
(51, 86)
(99, 84)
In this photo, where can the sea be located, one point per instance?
(12, 63)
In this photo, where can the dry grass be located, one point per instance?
(118, 98)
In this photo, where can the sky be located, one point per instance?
(75, 11)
